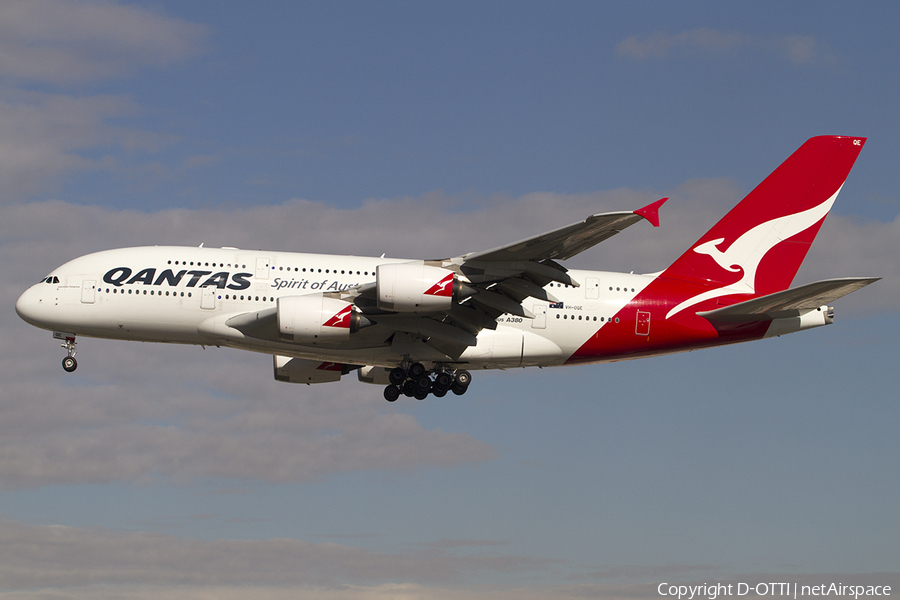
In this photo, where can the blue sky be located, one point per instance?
(424, 130)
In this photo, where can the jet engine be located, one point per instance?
(315, 319)
(415, 287)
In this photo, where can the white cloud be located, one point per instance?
(57, 556)
(66, 41)
(172, 412)
(796, 49)
(851, 247)
(144, 411)
(52, 561)
(43, 136)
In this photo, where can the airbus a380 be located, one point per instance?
(418, 327)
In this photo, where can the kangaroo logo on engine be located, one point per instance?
(444, 287)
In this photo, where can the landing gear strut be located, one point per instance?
(416, 381)
(69, 363)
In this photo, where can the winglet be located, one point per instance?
(651, 211)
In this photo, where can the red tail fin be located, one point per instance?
(758, 246)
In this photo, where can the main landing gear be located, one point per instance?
(69, 363)
(417, 382)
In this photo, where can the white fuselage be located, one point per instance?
(185, 295)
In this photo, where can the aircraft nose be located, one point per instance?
(31, 306)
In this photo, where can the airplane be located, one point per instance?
(419, 327)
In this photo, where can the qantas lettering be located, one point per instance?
(120, 276)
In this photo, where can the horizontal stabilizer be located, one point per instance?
(789, 303)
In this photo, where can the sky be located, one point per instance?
(426, 130)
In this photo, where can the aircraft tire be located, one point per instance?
(391, 393)
(439, 393)
(408, 388)
(396, 376)
(416, 371)
(443, 381)
(458, 389)
(69, 364)
(463, 378)
(423, 385)
(420, 395)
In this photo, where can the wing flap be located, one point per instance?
(429, 328)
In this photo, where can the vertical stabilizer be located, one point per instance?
(757, 248)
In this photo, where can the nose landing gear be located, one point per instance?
(417, 382)
(69, 363)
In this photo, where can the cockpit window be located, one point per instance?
(49, 280)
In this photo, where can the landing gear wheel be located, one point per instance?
(391, 393)
(420, 395)
(439, 393)
(396, 376)
(408, 388)
(69, 363)
(442, 381)
(416, 371)
(463, 378)
(423, 385)
(458, 389)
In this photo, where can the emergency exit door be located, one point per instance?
(208, 298)
(540, 317)
(262, 268)
(642, 326)
(88, 291)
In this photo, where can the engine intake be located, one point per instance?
(315, 319)
(415, 287)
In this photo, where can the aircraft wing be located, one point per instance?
(499, 281)
(789, 303)
(490, 284)
(566, 242)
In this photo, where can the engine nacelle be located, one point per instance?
(415, 287)
(300, 370)
(374, 375)
(315, 319)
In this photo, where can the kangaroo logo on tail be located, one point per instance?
(749, 249)
(758, 246)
